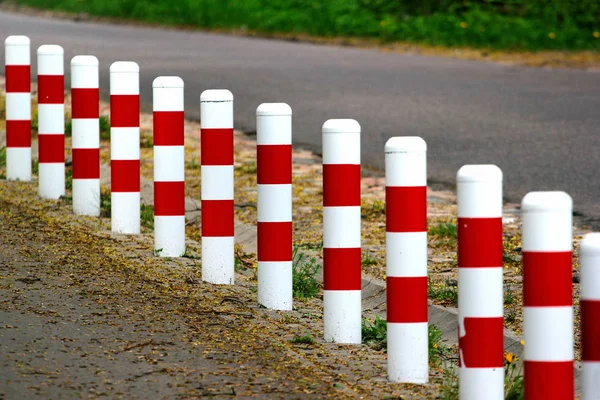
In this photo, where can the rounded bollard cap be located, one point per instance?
(479, 173)
(273, 110)
(84, 61)
(546, 202)
(17, 40)
(340, 126)
(216, 95)
(167, 82)
(50, 49)
(124, 66)
(590, 244)
(405, 144)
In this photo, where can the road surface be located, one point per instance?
(541, 127)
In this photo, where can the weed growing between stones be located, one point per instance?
(445, 292)
(304, 272)
(374, 334)
(104, 127)
(147, 215)
(306, 339)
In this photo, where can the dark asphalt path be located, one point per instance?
(542, 127)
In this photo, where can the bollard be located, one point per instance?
(169, 167)
(341, 231)
(18, 108)
(274, 178)
(125, 147)
(216, 153)
(480, 282)
(406, 259)
(51, 121)
(547, 296)
(590, 316)
(85, 112)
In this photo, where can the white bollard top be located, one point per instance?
(479, 173)
(590, 244)
(84, 72)
(17, 40)
(50, 50)
(535, 202)
(216, 95)
(341, 141)
(405, 144)
(167, 82)
(341, 126)
(124, 66)
(84, 61)
(273, 110)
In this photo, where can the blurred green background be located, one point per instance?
(499, 24)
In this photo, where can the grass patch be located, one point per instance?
(193, 164)
(444, 229)
(373, 210)
(69, 179)
(146, 141)
(444, 292)
(147, 215)
(105, 203)
(104, 127)
(368, 259)
(304, 272)
(68, 126)
(514, 384)
(306, 339)
(35, 166)
(3, 156)
(499, 24)
(374, 334)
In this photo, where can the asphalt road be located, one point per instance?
(541, 127)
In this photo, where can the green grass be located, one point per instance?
(444, 229)
(104, 127)
(497, 24)
(147, 216)
(2, 156)
(445, 292)
(304, 275)
(306, 339)
(105, 203)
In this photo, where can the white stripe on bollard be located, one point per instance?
(169, 166)
(590, 316)
(274, 178)
(406, 259)
(85, 111)
(341, 231)
(216, 121)
(18, 108)
(548, 295)
(125, 147)
(480, 282)
(51, 121)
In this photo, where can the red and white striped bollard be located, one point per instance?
(480, 282)
(589, 259)
(51, 121)
(341, 231)
(216, 154)
(274, 179)
(548, 295)
(18, 108)
(406, 259)
(169, 166)
(125, 147)
(85, 112)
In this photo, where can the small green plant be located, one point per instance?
(35, 166)
(306, 339)
(509, 295)
(437, 351)
(69, 179)
(513, 378)
(105, 204)
(444, 229)
(445, 292)
(373, 210)
(450, 384)
(304, 272)
(34, 124)
(68, 125)
(374, 334)
(104, 127)
(158, 251)
(2, 156)
(193, 164)
(146, 141)
(511, 316)
(368, 259)
(147, 215)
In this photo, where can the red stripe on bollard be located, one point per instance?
(216, 146)
(86, 163)
(269, 156)
(85, 103)
(124, 111)
(165, 123)
(480, 242)
(590, 330)
(341, 185)
(409, 213)
(217, 218)
(274, 241)
(481, 345)
(169, 198)
(51, 148)
(125, 175)
(557, 378)
(403, 299)
(547, 279)
(18, 79)
(343, 268)
(51, 89)
(18, 133)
